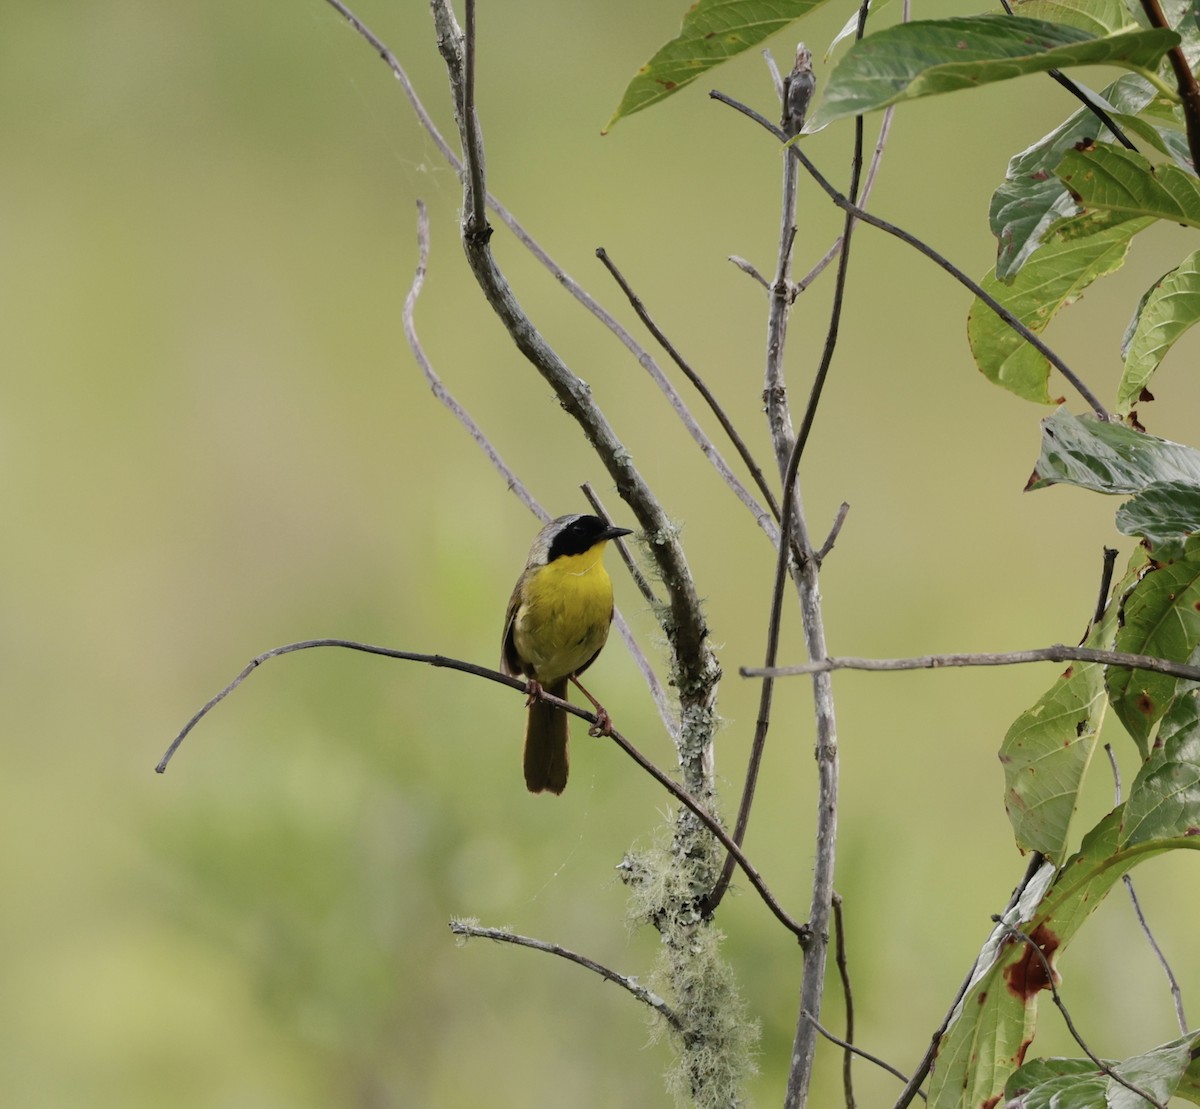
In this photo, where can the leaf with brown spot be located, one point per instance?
(1161, 619)
(1027, 976)
(1164, 800)
(1109, 458)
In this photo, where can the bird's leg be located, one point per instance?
(534, 690)
(603, 725)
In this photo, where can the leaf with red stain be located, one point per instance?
(1027, 976)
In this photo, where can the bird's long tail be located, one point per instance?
(546, 744)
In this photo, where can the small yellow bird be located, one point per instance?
(556, 624)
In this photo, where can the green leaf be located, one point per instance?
(1163, 511)
(1047, 750)
(1166, 140)
(851, 26)
(1108, 457)
(1158, 1072)
(1054, 277)
(1031, 198)
(1159, 617)
(1045, 1083)
(1164, 800)
(1124, 185)
(1190, 1086)
(1181, 16)
(1059, 1083)
(1168, 308)
(1096, 17)
(924, 58)
(713, 31)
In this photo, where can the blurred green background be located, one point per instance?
(216, 441)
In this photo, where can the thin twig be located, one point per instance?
(779, 418)
(843, 965)
(466, 928)
(924, 248)
(1106, 576)
(762, 517)
(475, 223)
(1102, 1066)
(1116, 771)
(1089, 100)
(749, 268)
(444, 661)
(773, 69)
(435, 382)
(1172, 981)
(821, 554)
(635, 571)
(714, 405)
(1057, 652)
(851, 1049)
(839, 290)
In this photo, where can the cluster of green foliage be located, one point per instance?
(1064, 215)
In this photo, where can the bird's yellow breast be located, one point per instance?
(564, 614)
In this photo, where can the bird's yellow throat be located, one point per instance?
(565, 612)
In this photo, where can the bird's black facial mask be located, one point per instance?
(580, 535)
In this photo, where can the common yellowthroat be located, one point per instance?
(557, 622)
